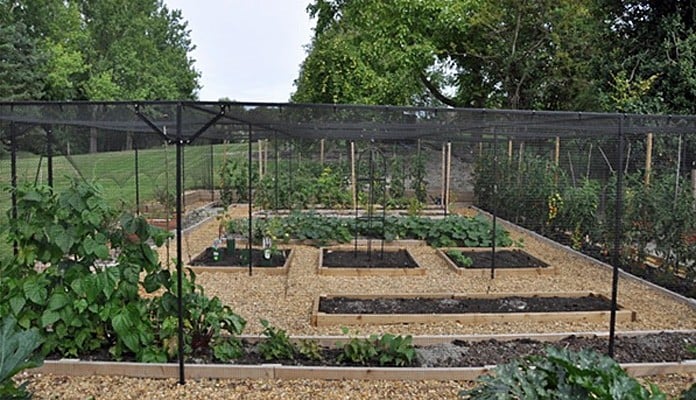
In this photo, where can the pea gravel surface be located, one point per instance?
(287, 300)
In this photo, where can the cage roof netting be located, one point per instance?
(222, 120)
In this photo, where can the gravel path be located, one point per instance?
(286, 301)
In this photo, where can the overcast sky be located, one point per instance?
(247, 50)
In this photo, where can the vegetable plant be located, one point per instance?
(17, 353)
(561, 374)
(460, 259)
(95, 266)
(276, 345)
(386, 349)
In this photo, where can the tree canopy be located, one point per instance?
(601, 55)
(96, 50)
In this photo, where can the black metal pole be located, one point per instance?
(249, 155)
(49, 154)
(494, 208)
(179, 253)
(616, 257)
(13, 180)
(137, 179)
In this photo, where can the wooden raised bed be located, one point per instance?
(485, 270)
(76, 367)
(366, 270)
(319, 318)
(281, 270)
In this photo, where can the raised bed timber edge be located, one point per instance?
(282, 270)
(359, 270)
(76, 367)
(500, 271)
(319, 318)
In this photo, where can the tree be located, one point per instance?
(501, 53)
(19, 61)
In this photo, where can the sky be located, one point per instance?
(247, 50)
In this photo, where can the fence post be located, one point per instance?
(353, 183)
(648, 157)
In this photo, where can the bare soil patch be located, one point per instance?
(367, 259)
(239, 258)
(420, 305)
(503, 259)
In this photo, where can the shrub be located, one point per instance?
(561, 374)
(88, 297)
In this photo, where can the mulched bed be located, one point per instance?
(660, 347)
(364, 259)
(239, 258)
(511, 304)
(503, 259)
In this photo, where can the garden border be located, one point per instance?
(76, 367)
(499, 271)
(325, 319)
(367, 271)
(254, 269)
(676, 296)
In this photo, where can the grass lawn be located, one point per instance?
(115, 173)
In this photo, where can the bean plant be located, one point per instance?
(79, 274)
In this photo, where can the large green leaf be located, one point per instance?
(16, 348)
(49, 317)
(35, 290)
(58, 301)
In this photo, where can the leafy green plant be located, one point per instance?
(206, 320)
(459, 258)
(88, 297)
(276, 345)
(310, 349)
(561, 374)
(357, 350)
(578, 212)
(395, 350)
(451, 231)
(689, 394)
(386, 349)
(16, 354)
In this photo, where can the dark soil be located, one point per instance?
(659, 347)
(666, 279)
(503, 259)
(364, 259)
(239, 258)
(513, 304)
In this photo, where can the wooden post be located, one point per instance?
(444, 175)
(521, 159)
(449, 176)
(321, 152)
(557, 159)
(265, 156)
(260, 144)
(693, 182)
(648, 157)
(480, 149)
(510, 150)
(353, 182)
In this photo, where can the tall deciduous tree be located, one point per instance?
(497, 53)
